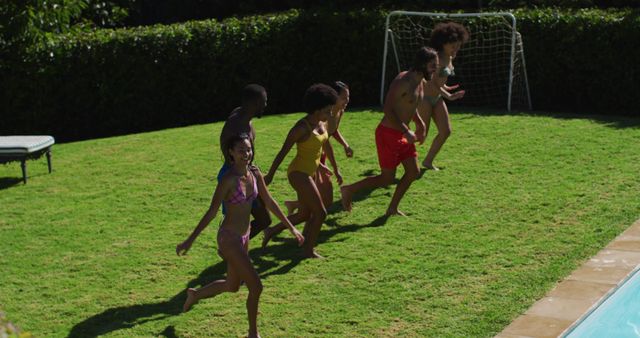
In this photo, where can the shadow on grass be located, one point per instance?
(168, 332)
(124, 317)
(8, 182)
(365, 193)
(336, 228)
(129, 316)
(613, 121)
(423, 171)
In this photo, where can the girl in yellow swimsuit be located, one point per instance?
(322, 180)
(446, 38)
(310, 136)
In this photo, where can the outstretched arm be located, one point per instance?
(446, 91)
(272, 206)
(451, 96)
(295, 134)
(218, 195)
(450, 88)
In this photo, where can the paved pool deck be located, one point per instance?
(578, 293)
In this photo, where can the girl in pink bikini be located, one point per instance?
(239, 187)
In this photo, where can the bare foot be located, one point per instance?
(191, 299)
(430, 166)
(267, 237)
(312, 254)
(395, 212)
(291, 206)
(346, 198)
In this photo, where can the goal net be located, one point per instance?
(490, 67)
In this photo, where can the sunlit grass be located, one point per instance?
(521, 202)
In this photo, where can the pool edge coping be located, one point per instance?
(550, 320)
(600, 301)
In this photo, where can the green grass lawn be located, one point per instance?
(522, 201)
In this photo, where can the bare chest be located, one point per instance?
(413, 96)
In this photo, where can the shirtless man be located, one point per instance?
(254, 101)
(394, 140)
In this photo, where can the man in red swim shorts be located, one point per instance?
(394, 140)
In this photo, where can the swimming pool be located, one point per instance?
(617, 316)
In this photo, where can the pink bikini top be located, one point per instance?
(239, 196)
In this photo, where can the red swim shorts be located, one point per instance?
(393, 147)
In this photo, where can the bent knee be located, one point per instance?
(256, 287)
(387, 180)
(319, 214)
(266, 222)
(446, 132)
(304, 214)
(322, 213)
(233, 287)
(262, 220)
(328, 200)
(412, 174)
(259, 225)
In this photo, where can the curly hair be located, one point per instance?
(319, 96)
(447, 32)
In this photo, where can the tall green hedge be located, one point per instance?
(128, 80)
(583, 61)
(146, 12)
(119, 81)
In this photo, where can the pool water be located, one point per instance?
(617, 316)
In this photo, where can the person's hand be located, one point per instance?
(325, 170)
(268, 178)
(299, 237)
(348, 151)
(457, 95)
(339, 177)
(410, 136)
(182, 248)
(449, 88)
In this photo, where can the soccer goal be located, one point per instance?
(490, 67)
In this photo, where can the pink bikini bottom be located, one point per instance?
(227, 237)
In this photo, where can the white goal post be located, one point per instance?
(490, 66)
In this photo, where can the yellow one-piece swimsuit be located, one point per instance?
(308, 153)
